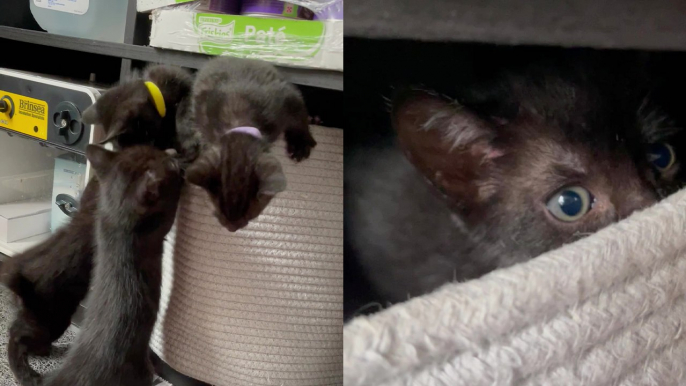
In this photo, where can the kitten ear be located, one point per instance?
(270, 174)
(272, 181)
(451, 146)
(205, 170)
(120, 123)
(148, 189)
(101, 159)
(129, 104)
(91, 115)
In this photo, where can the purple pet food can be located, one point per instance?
(232, 7)
(275, 8)
(333, 11)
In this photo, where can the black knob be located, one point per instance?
(62, 120)
(7, 106)
(67, 204)
(67, 122)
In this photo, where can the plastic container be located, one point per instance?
(91, 19)
(275, 8)
(333, 11)
(232, 7)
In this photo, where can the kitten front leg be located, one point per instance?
(299, 142)
(189, 141)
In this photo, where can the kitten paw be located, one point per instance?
(299, 145)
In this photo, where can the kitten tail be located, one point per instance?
(18, 357)
(18, 351)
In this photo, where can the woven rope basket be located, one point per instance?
(262, 306)
(609, 309)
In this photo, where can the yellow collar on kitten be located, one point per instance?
(157, 97)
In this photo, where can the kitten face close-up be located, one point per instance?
(508, 169)
(535, 177)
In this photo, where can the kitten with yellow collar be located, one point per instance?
(144, 110)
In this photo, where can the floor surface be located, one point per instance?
(42, 365)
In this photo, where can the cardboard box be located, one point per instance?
(19, 220)
(149, 5)
(298, 43)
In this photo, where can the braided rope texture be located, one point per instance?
(262, 306)
(608, 309)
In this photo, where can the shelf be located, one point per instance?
(621, 24)
(11, 249)
(307, 77)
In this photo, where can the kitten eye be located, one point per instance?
(570, 203)
(662, 156)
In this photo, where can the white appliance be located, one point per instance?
(42, 144)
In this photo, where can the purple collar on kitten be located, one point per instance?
(255, 132)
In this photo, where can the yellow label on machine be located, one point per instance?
(24, 115)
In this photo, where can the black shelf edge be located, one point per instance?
(609, 24)
(306, 77)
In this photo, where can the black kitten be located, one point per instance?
(130, 116)
(517, 167)
(52, 278)
(139, 193)
(240, 107)
(49, 280)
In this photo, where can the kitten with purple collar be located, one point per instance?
(533, 159)
(240, 107)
